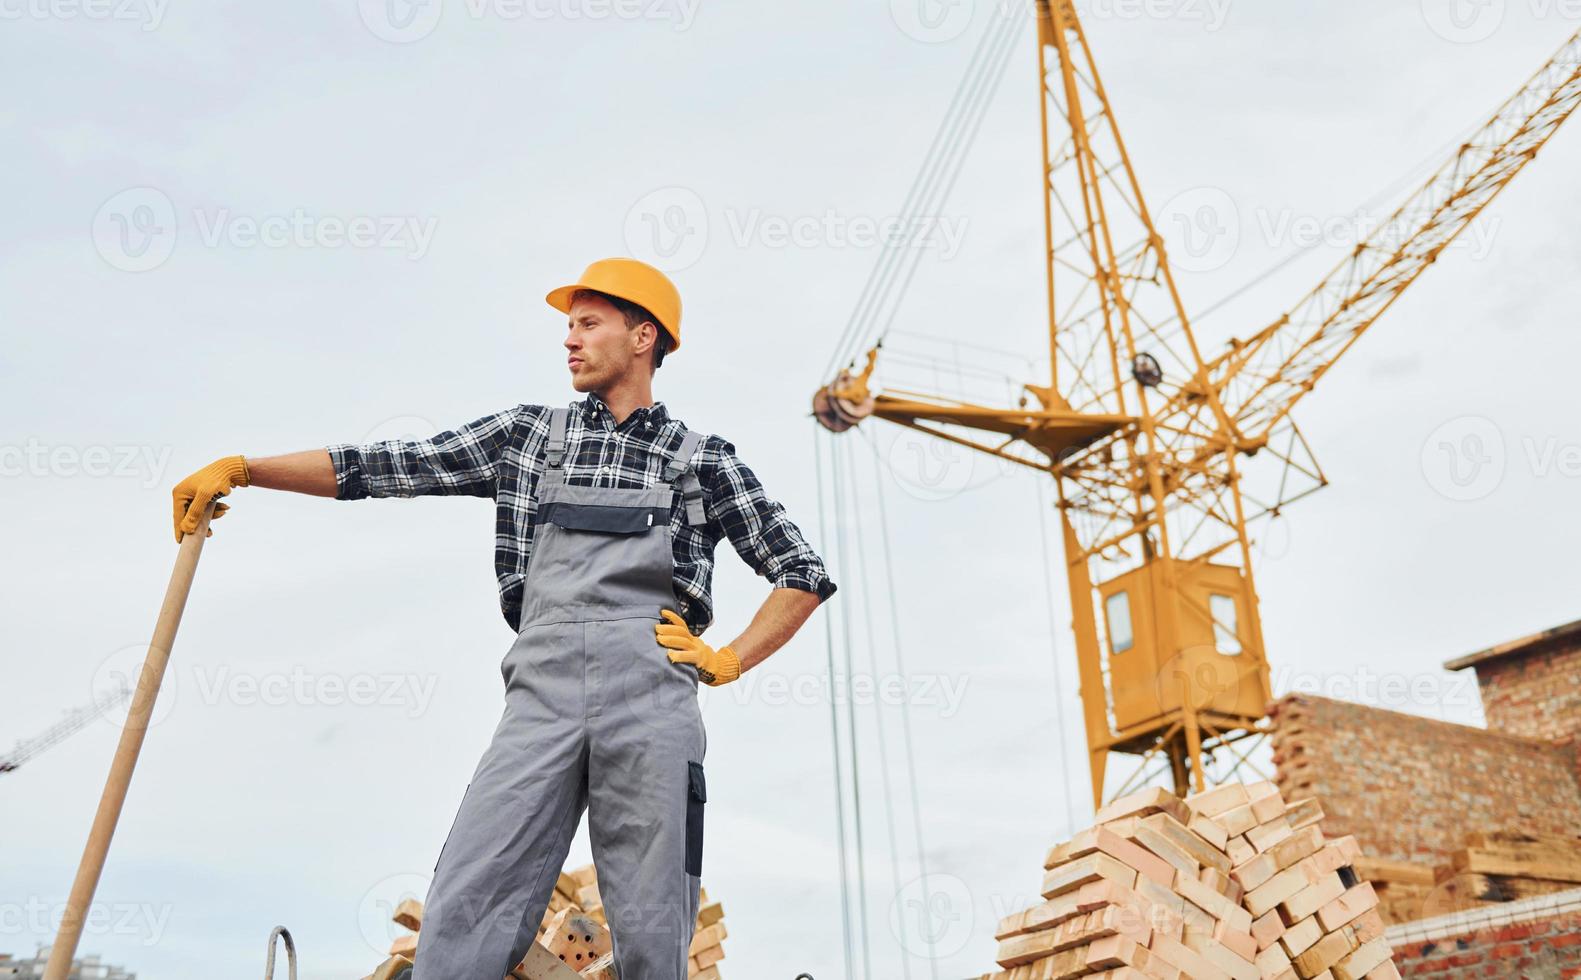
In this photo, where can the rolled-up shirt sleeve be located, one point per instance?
(457, 462)
(758, 527)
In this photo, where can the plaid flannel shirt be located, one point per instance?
(502, 456)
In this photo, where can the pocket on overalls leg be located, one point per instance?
(696, 796)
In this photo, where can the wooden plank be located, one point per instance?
(540, 964)
(1407, 872)
(1076, 873)
(409, 914)
(1515, 864)
(1362, 961)
(1151, 800)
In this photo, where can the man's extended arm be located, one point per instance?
(458, 461)
(310, 472)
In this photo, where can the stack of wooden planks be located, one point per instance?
(573, 938)
(1505, 866)
(1230, 884)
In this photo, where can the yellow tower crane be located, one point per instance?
(1149, 441)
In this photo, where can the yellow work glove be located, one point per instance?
(714, 667)
(194, 493)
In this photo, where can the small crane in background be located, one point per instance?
(75, 721)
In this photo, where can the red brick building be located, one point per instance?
(1417, 793)
(1531, 686)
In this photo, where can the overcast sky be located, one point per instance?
(260, 228)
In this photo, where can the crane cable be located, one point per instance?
(841, 551)
(905, 702)
(941, 164)
(834, 729)
(1059, 690)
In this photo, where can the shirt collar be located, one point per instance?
(594, 409)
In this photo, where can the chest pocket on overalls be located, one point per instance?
(601, 518)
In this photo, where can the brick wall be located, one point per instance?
(1535, 693)
(1410, 788)
(1537, 938)
(1545, 948)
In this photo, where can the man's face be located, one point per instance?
(600, 348)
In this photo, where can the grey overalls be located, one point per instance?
(596, 718)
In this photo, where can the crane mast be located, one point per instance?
(1149, 442)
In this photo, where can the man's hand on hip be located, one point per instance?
(714, 667)
(193, 494)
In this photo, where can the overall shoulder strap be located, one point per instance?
(678, 467)
(554, 453)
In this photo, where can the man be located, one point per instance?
(608, 513)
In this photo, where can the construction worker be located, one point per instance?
(608, 514)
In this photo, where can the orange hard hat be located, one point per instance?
(634, 282)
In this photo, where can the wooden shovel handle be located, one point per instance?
(64, 949)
